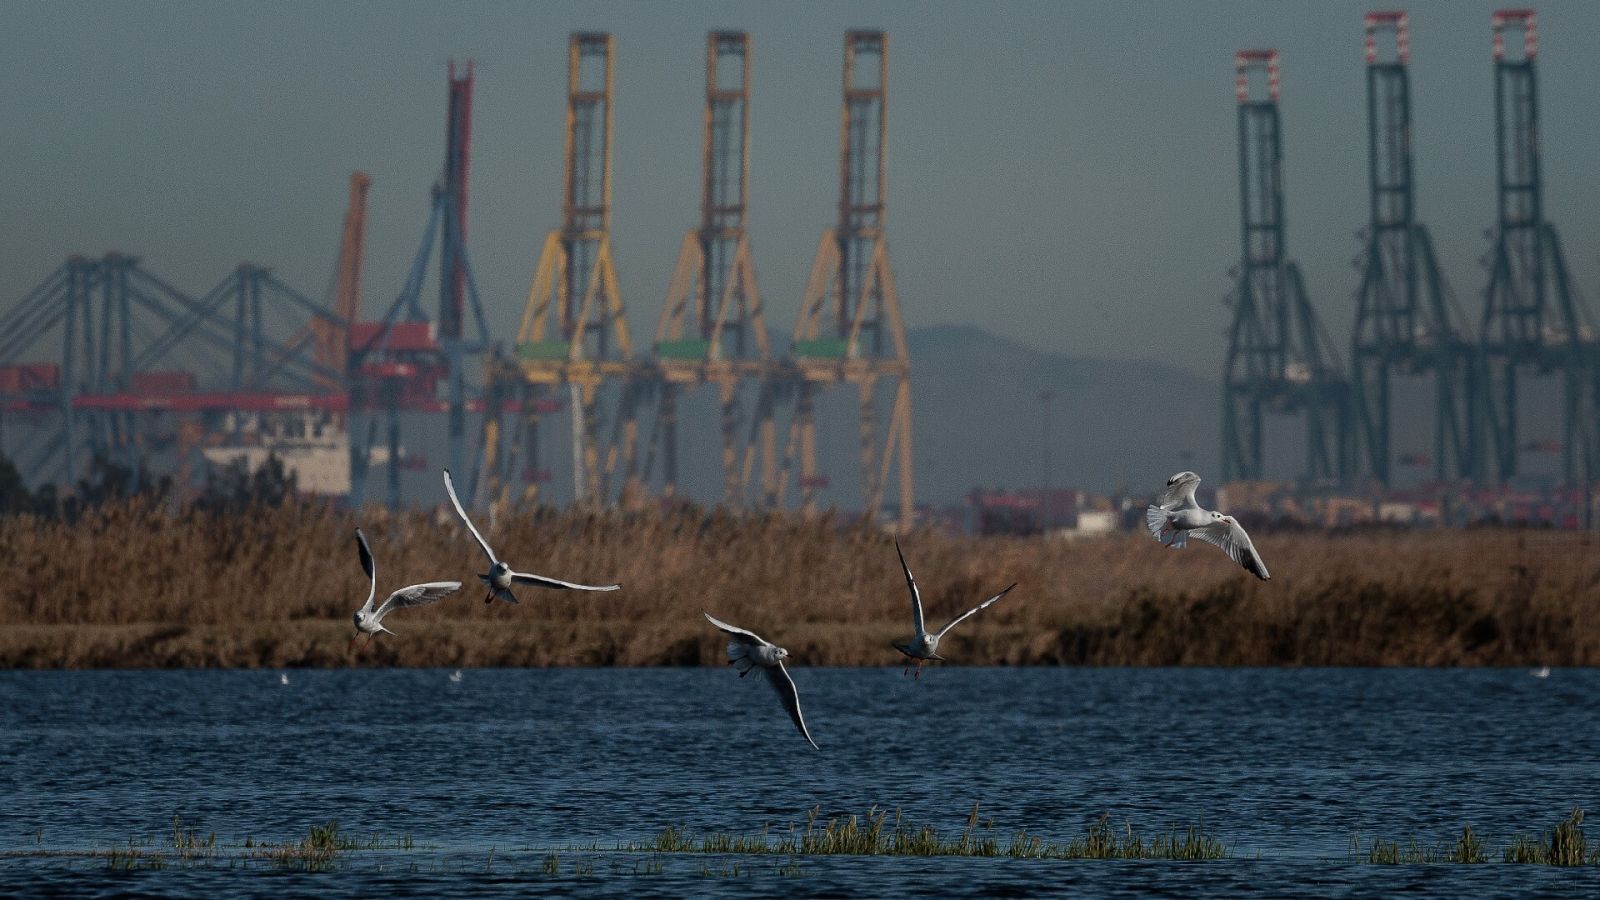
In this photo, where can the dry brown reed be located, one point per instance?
(131, 585)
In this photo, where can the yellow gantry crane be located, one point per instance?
(574, 331)
(573, 346)
(712, 328)
(849, 330)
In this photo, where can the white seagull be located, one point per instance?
(369, 621)
(748, 650)
(500, 577)
(925, 646)
(1179, 513)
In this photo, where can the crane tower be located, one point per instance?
(849, 330)
(1407, 319)
(1533, 320)
(712, 328)
(1279, 358)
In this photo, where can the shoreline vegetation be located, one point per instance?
(880, 832)
(128, 585)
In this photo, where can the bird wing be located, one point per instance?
(739, 634)
(916, 597)
(957, 619)
(418, 595)
(1179, 493)
(784, 685)
(558, 585)
(450, 488)
(368, 567)
(1228, 534)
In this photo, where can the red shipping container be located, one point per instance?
(402, 337)
(162, 382)
(29, 377)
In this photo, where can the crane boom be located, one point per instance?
(333, 337)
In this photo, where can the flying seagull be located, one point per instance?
(925, 646)
(1182, 516)
(500, 576)
(369, 621)
(748, 650)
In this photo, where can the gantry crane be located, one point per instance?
(849, 330)
(1533, 319)
(396, 362)
(574, 330)
(1407, 319)
(712, 328)
(1279, 358)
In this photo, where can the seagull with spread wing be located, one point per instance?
(369, 621)
(1180, 514)
(749, 650)
(925, 645)
(500, 577)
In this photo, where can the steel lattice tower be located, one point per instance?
(1279, 359)
(574, 332)
(849, 330)
(1407, 321)
(1532, 318)
(712, 327)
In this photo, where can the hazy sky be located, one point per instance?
(1061, 173)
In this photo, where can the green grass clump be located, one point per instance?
(1391, 853)
(1102, 840)
(876, 834)
(318, 851)
(1469, 848)
(1564, 845)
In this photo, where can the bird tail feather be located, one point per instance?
(1155, 518)
(739, 655)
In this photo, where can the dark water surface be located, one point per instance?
(1285, 765)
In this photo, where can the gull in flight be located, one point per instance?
(1182, 516)
(925, 646)
(748, 650)
(500, 577)
(369, 621)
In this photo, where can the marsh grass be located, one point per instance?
(318, 851)
(876, 834)
(1563, 845)
(131, 585)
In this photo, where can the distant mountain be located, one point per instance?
(978, 419)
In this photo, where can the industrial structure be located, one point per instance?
(292, 372)
(113, 393)
(1407, 319)
(849, 330)
(151, 378)
(106, 360)
(1279, 359)
(713, 329)
(574, 337)
(397, 362)
(1533, 320)
(1408, 324)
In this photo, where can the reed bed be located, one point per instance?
(129, 585)
(1563, 845)
(876, 834)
